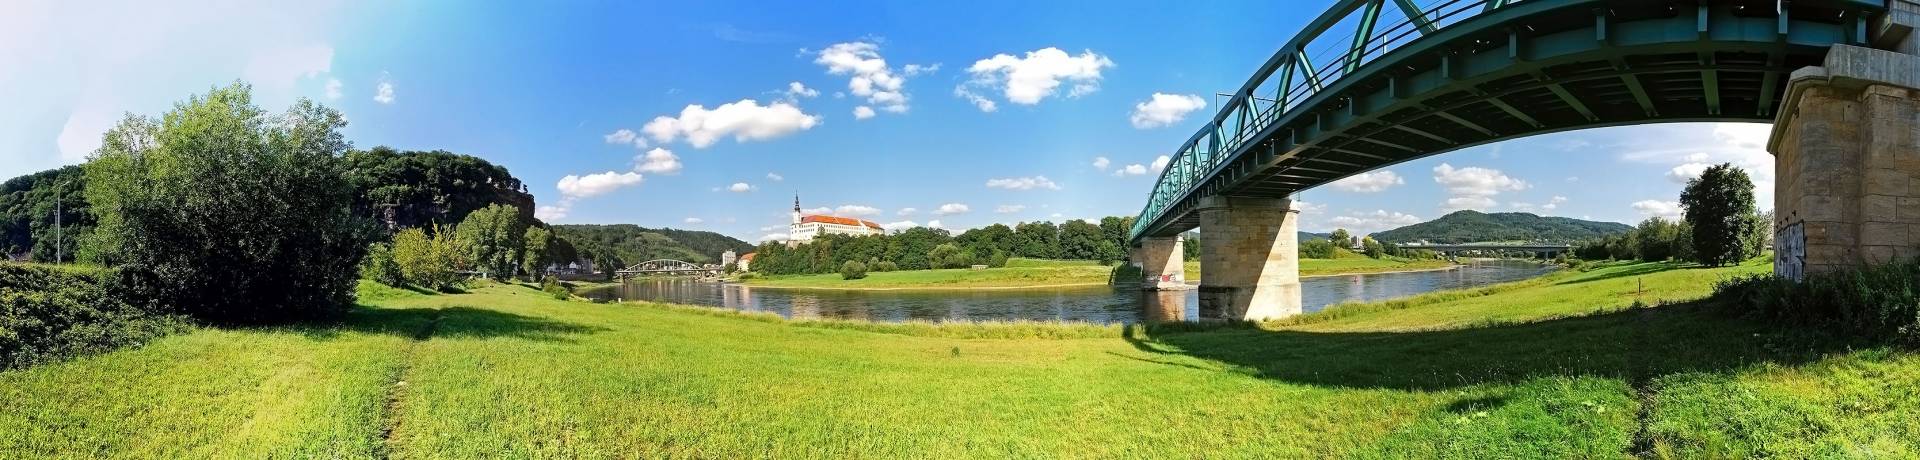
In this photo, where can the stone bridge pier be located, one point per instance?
(1846, 146)
(1160, 261)
(1251, 261)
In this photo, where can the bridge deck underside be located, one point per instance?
(1545, 66)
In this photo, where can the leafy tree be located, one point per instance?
(1116, 228)
(537, 254)
(27, 207)
(432, 261)
(1190, 247)
(1109, 252)
(1037, 239)
(1657, 239)
(910, 248)
(1080, 239)
(984, 240)
(235, 215)
(636, 243)
(497, 237)
(1719, 206)
(1317, 249)
(948, 255)
(1373, 248)
(1340, 238)
(380, 267)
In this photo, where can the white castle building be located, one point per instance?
(806, 227)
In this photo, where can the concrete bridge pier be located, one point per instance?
(1161, 261)
(1846, 147)
(1251, 259)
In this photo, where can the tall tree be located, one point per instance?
(497, 237)
(1037, 239)
(537, 254)
(1080, 239)
(1340, 238)
(1719, 206)
(234, 215)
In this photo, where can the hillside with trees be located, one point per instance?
(1474, 226)
(409, 189)
(27, 208)
(632, 243)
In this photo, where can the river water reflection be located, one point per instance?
(1098, 304)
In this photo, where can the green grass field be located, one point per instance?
(1043, 272)
(1553, 368)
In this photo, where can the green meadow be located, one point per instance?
(1567, 365)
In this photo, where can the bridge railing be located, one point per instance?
(1290, 77)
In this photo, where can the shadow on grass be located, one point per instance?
(1635, 345)
(450, 322)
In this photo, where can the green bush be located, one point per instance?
(997, 259)
(379, 266)
(885, 266)
(552, 286)
(1126, 274)
(237, 216)
(853, 270)
(1878, 302)
(49, 313)
(1316, 249)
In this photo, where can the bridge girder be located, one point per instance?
(1514, 70)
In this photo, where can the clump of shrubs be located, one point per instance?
(48, 314)
(884, 266)
(552, 287)
(1876, 303)
(853, 270)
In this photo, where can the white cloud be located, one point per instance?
(854, 210)
(773, 237)
(776, 177)
(1164, 110)
(1027, 80)
(550, 213)
(1688, 150)
(1686, 172)
(1023, 183)
(1573, 178)
(1101, 163)
(658, 160)
(1669, 210)
(951, 209)
(1551, 204)
(744, 120)
(898, 226)
(1474, 187)
(625, 137)
(693, 220)
(1309, 208)
(862, 112)
(1130, 170)
(280, 69)
(917, 69)
(80, 136)
(333, 89)
(1009, 208)
(820, 211)
(1377, 181)
(796, 90)
(383, 93)
(906, 212)
(871, 77)
(592, 185)
(935, 224)
(1161, 162)
(740, 187)
(1362, 223)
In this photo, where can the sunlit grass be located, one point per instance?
(1552, 368)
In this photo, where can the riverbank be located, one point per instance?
(1034, 274)
(1553, 367)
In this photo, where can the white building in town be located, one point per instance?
(806, 227)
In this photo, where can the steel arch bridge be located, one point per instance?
(1452, 74)
(669, 267)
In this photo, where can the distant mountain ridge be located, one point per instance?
(1475, 226)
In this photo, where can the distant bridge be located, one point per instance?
(669, 267)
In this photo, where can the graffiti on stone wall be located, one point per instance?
(1790, 252)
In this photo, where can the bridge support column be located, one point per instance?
(1251, 259)
(1162, 261)
(1846, 147)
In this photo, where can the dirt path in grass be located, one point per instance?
(397, 389)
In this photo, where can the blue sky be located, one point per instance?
(887, 122)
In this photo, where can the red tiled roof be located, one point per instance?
(748, 257)
(837, 220)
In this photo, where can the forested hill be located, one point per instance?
(634, 244)
(1475, 226)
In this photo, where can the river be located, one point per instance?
(1096, 304)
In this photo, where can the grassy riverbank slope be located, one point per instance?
(1554, 368)
(1021, 273)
